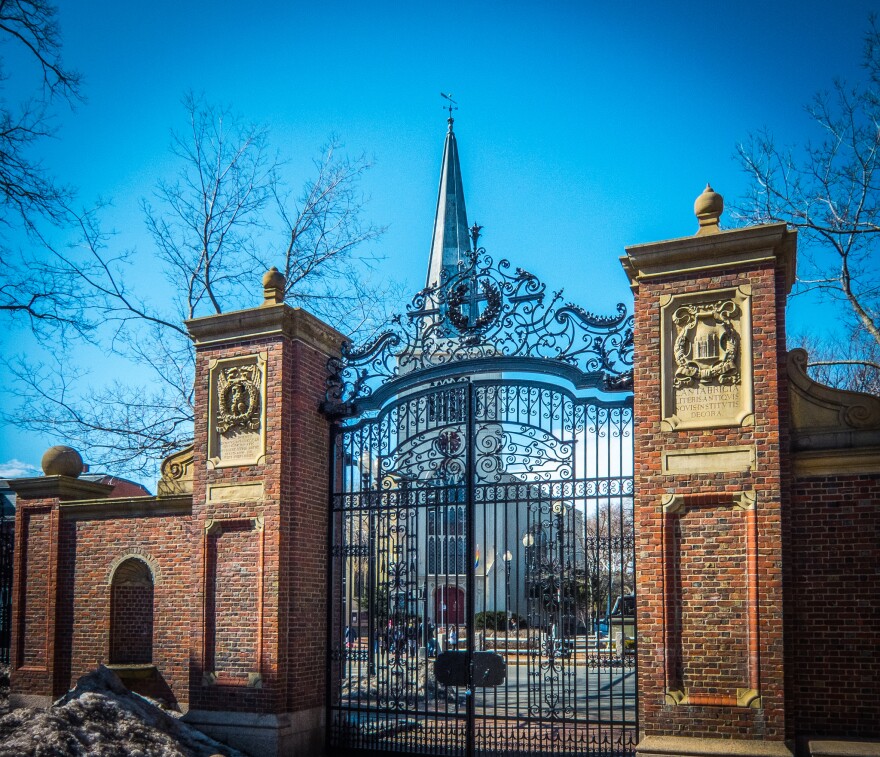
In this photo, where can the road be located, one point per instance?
(571, 690)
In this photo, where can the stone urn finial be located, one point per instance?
(61, 460)
(708, 208)
(273, 287)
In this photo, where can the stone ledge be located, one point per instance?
(19, 701)
(685, 746)
(837, 462)
(722, 252)
(57, 487)
(259, 323)
(127, 507)
(133, 672)
(843, 748)
(293, 734)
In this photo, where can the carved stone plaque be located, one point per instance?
(706, 346)
(237, 418)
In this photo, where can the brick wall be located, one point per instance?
(37, 593)
(230, 583)
(306, 433)
(705, 573)
(131, 624)
(90, 548)
(834, 606)
(263, 593)
(35, 581)
(699, 626)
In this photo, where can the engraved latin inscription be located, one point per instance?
(239, 445)
(707, 402)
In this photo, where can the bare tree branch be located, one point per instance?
(33, 23)
(867, 363)
(222, 220)
(829, 190)
(28, 192)
(859, 374)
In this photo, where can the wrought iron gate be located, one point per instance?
(482, 574)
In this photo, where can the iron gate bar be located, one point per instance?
(490, 429)
(470, 555)
(390, 507)
(466, 368)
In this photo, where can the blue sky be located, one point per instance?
(583, 126)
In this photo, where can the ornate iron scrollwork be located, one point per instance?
(485, 310)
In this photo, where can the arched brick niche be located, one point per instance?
(131, 613)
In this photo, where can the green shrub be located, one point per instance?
(496, 620)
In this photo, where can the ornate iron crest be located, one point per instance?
(238, 398)
(485, 310)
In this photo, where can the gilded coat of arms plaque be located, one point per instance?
(706, 356)
(236, 434)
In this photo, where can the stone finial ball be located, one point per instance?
(61, 460)
(273, 279)
(709, 204)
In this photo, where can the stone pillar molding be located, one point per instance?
(711, 440)
(35, 678)
(260, 512)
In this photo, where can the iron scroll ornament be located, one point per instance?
(484, 310)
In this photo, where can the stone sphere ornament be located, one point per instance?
(62, 460)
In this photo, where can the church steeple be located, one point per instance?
(451, 241)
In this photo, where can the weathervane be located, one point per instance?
(451, 106)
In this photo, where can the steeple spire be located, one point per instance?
(450, 243)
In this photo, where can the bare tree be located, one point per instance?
(606, 559)
(829, 190)
(860, 374)
(31, 197)
(216, 227)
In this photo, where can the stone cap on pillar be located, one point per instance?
(62, 488)
(272, 318)
(711, 249)
(62, 466)
(268, 320)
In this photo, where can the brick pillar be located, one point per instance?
(260, 519)
(710, 464)
(40, 652)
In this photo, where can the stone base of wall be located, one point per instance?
(290, 734)
(842, 748)
(683, 746)
(17, 701)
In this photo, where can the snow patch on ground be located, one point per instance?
(100, 717)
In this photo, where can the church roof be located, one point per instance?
(450, 243)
